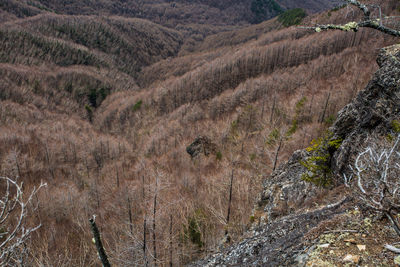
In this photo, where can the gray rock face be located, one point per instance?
(373, 110)
(277, 233)
(277, 244)
(285, 190)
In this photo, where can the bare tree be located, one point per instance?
(377, 174)
(14, 230)
(369, 21)
(97, 241)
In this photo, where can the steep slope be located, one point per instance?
(291, 240)
(243, 100)
(119, 43)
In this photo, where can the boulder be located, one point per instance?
(201, 144)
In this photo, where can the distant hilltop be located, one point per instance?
(166, 12)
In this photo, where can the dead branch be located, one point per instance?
(13, 214)
(367, 22)
(377, 179)
(392, 248)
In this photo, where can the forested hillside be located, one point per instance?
(170, 13)
(103, 105)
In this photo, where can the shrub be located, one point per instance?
(137, 105)
(262, 8)
(89, 111)
(338, 8)
(273, 136)
(36, 87)
(218, 155)
(295, 122)
(97, 95)
(68, 87)
(395, 126)
(318, 167)
(192, 230)
(292, 17)
(252, 219)
(330, 120)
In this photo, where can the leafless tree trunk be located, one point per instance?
(48, 162)
(117, 178)
(230, 198)
(171, 249)
(154, 223)
(272, 110)
(322, 118)
(99, 245)
(277, 153)
(17, 164)
(130, 216)
(228, 216)
(144, 243)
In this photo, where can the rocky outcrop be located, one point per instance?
(372, 112)
(280, 217)
(284, 191)
(201, 144)
(277, 244)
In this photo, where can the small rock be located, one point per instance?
(361, 247)
(352, 258)
(301, 260)
(397, 260)
(324, 245)
(351, 240)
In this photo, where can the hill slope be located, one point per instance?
(298, 238)
(125, 44)
(170, 13)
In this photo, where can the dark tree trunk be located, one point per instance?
(99, 244)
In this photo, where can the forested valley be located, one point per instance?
(103, 106)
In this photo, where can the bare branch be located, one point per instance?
(392, 248)
(378, 179)
(367, 22)
(376, 24)
(361, 6)
(13, 212)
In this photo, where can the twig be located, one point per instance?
(341, 231)
(392, 248)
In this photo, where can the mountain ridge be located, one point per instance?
(171, 12)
